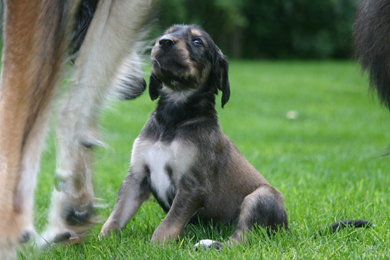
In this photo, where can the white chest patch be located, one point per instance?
(158, 157)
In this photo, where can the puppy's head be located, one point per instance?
(186, 59)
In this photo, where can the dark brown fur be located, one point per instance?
(372, 39)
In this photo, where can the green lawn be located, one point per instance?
(327, 163)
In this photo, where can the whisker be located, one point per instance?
(154, 59)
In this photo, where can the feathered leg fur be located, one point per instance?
(35, 40)
(107, 65)
(372, 39)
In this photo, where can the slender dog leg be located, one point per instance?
(35, 42)
(264, 207)
(107, 63)
(134, 191)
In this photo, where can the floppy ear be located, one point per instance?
(221, 70)
(224, 85)
(154, 87)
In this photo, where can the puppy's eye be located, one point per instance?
(197, 41)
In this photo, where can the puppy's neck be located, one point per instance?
(179, 97)
(178, 107)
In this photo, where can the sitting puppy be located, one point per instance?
(182, 156)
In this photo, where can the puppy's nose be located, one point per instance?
(166, 43)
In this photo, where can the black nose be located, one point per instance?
(167, 43)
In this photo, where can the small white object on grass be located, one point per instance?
(205, 243)
(292, 114)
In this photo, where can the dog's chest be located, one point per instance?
(166, 163)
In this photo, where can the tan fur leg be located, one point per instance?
(35, 40)
(107, 64)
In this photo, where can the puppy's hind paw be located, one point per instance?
(208, 243)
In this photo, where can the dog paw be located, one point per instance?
(67, 238)
(18, 230)
(56, 236)
(78, 216)
(26, 235)
(208, 243)
(108, 229)
(131, 88)
(68, 225)
(129, 82)
(62, 237)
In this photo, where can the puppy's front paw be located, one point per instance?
(208, 243)
(110, 227)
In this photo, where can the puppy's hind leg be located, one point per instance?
(264, 207)
(108, 50)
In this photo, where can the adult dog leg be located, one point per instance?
(35, 40)
(264, 207)
(107, 63)
(134, 191)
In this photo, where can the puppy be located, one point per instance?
(182, 156)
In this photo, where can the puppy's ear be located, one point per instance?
(224, 81)
(154, 87)
(221, 71)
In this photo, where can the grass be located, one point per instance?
(327, 163)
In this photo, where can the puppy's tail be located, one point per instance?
(372, 37)
(356, 223)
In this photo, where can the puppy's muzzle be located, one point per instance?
(166, 43)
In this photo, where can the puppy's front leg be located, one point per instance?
(184, 206)
(134, 191)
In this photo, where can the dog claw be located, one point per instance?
(62, 237)
(66, 238)
(76, 217)
(24, 237)
(208, 243)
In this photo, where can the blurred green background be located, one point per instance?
(269, 29)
